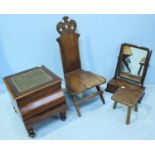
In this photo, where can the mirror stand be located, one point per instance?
(131, 69)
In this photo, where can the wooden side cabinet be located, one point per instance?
(36, 95)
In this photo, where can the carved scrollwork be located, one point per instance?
(68, 26)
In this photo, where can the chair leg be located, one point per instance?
(128, 116)
(76, 106)
(115, 104)
(101, 95)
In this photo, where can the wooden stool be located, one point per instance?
(128, 97)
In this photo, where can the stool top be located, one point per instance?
(29, 80)
(128, 96)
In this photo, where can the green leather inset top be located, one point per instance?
(30, 79)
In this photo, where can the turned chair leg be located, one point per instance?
(101, 95)
(115, 104)
(76, 106)
(128, 116)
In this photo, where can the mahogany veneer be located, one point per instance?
(36, 95)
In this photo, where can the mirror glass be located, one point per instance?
(132, 62)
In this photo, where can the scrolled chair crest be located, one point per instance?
(67, 26)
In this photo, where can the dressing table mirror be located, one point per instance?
(131, 68)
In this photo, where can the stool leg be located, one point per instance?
(141, 98)
(136, 107)
(115, 104)
(128, 116)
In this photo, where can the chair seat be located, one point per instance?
(79, 80)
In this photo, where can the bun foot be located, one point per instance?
(63, 116)
(31, 132)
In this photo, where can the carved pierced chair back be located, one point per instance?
(68, 43)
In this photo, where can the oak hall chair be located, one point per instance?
(77, 80)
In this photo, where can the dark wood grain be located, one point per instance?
(79, 80)
(128, 96)
(69, 52)
(114, 84)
